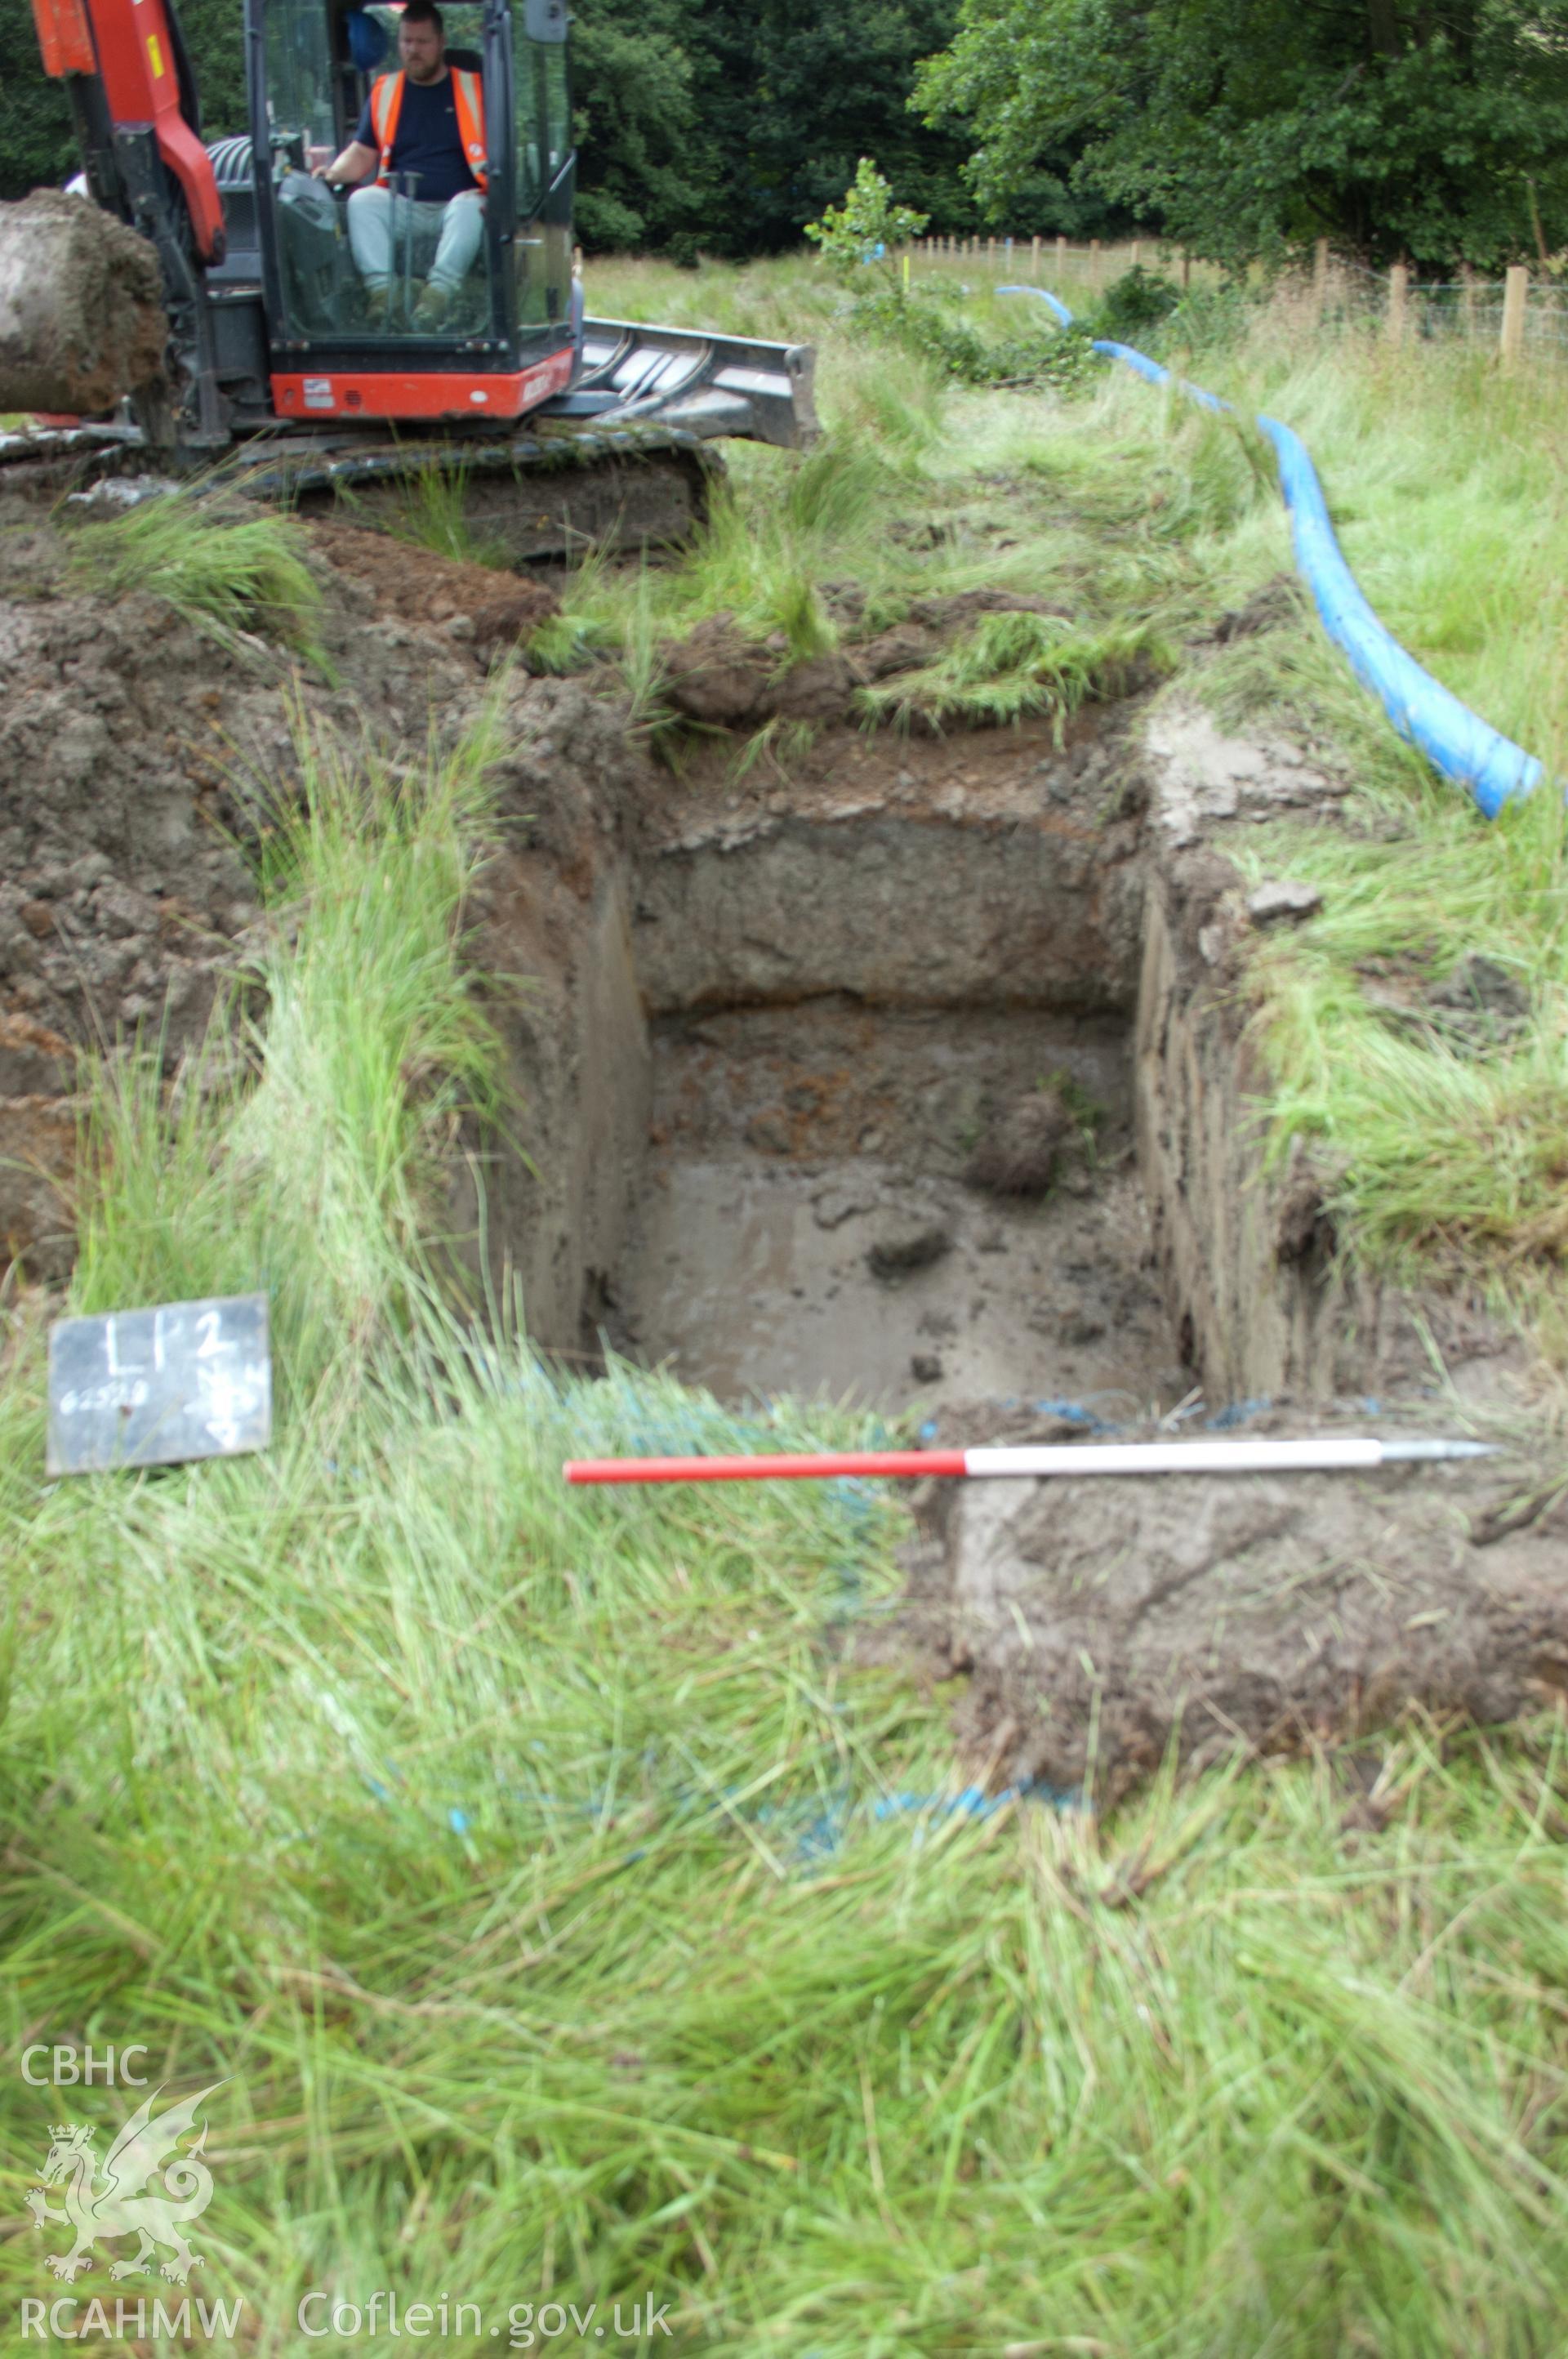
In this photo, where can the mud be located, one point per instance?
(81, 319)
(1098, 1625)
(807, 1225)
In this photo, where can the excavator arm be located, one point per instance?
(128, 77)
(138, 124)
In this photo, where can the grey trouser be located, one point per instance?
(446, 237)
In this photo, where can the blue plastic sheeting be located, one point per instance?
(1454, 740)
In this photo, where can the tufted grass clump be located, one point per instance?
(228, 574)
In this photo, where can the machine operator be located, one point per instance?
(425, 123)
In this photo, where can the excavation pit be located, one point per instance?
(775, 1030)
(807, 1225)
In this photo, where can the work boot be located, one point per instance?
(434, 302)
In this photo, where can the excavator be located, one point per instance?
(274, 367)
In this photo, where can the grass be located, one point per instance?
(1010, 665)
(433, 515)
(227, 575)
(526, 1864)
(921, 487)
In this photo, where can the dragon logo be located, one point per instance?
(117, 2206)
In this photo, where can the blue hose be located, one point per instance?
(1454, 740)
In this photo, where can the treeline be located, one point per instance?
(723, 125)
(1427, 131)
(1434, 131)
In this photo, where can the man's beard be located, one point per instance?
(424, 72)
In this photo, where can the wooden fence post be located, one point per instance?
(1187, 269)
(1319, 276)
(1468, 301)
(1516, 296)
(991, 256)
(1399, 290)
(1060, 251)
(1137, 250)
(1094, 260)
(1034, 258)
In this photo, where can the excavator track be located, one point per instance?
(624, 459)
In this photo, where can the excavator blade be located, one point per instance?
(688, 377)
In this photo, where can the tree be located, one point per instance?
(794, 93)
(867, 226)
(641, 162)
(1437, 129)
(37, 149)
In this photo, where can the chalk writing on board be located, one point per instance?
(156, 1387)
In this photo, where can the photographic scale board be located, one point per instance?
(157, 1386)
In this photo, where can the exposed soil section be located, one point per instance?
(481, 606)
(997, 867)
(1101, 1622)
(139, 758)
(1249, 1257)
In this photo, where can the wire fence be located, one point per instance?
(1525, 312)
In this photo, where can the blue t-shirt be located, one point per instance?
(427, 141)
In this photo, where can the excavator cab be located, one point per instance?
(343, 345)
(290, 334)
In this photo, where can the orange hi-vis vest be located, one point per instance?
(467, 90)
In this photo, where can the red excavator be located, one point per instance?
(274, 356)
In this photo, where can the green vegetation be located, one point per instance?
(528, 1864)
(1010, 665)
(863, 231)
(709, 126)
(433, 515)
(514, 1857)
(225, 574)
(930, 323)
(1242, 132)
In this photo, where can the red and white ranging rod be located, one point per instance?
(1325, 1455)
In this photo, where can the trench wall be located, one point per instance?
(889, 899)
(896, 910)
(1245, 1255)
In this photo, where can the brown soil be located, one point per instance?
(82, 316)
(137, 760)
(490, 609)
(1101, 1623)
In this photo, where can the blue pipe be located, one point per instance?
(1454, 740)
